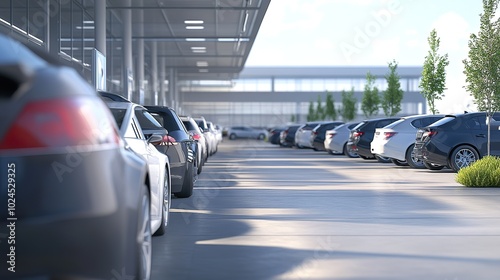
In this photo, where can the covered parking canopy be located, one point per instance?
(144, 42)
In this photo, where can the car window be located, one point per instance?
(474, 123)
(146, 120)
(119, 115)
(394, 124)
(351, 126)
(169, 121)
(383, 123)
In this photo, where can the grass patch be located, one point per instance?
(482, 173)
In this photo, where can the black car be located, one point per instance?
(181, 150)
(274, 134)
(287, 136)
(318, 134)
(362, 135)
(456, 141)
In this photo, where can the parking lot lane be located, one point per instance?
(259, 211)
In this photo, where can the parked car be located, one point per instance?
(456, 141)
(210, 138)
(216, 135)
(235, 132)
(195, 132)
(397, 139)
(181, 150)
(303, 135)
(318, 134)
(218, 132)
(73, 196)
(287, 136)
(362, 135)
(336, 140)
(132, 120)
(274, 134)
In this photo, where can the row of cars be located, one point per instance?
(419, 141)
(87, 178)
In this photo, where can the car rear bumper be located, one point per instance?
(72, 217)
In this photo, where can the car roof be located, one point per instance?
(121, 105)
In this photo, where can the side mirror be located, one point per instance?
(155, 139)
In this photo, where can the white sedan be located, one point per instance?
(130, 118)
(396, 140)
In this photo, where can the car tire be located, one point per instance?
(413, 161)
(462, 156)
(232, 136)
(431, 166)
(165, 212)
(399, 162)
(144, 252)
(199, 168)
(187, 185)
(261, 136)
(349, 153)
(382, 159)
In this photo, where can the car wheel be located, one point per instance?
(187, 185)
(165, 213)
(462, 156)
(399, 162)
(432, 166)
(349, 152)
(232, 136)
(412, 160)
(382, 159)
(261, 137)
(144, 237)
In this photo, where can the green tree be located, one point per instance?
(348, 109)
(330, 112)
(393, 95)
(320, 111)
(482, 66)
(433, 80)
(371, 99)
(311, 115)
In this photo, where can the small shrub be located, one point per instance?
(482, 173)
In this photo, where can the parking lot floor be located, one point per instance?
(260, 211)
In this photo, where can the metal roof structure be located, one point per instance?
(202, 39)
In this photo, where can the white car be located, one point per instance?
(336, 140)
(130, 118)
(396, 140)
(303, 135)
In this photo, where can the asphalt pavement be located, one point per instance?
(259, 211)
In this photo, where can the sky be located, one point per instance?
(369, 32)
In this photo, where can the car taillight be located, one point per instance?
(330, 135)
(388, 135)
(196, 136)
(60, 123)
(429, 134)
(358, 133)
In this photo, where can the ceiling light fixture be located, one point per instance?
(201, 63)
(194, 22)
(195, 27)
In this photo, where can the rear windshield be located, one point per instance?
(442, 121)
(394, 124)
(119, 115)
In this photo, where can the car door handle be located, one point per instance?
(481, 135)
